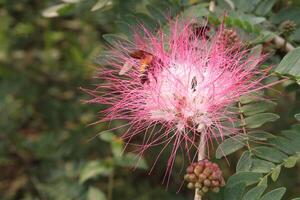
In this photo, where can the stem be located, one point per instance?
(110, 185)
(201, 156)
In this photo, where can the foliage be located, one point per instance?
(49, 151)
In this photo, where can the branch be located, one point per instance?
(281, 43)
(201, 156)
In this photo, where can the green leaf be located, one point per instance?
(255, 193)
(283, 144)
(196, 11)
(258, 120)
(248, 178)
(156, 13)
(259, 135)
(297, 116)
(93, 169)
(107, 136)
(53, 11)
(263, 181)
(276, 194)
(229, 146)
(235, 191)
(100, 4)
(290, 64)
(261, 166)
(290, 13)
(95, 194)
(245, 5)
(131, 160)
(252, 97)
(245, 162)
(147, 21)
(291, 161)
(270, 154)
(275, 173)
(117, 146)
(114, 39)
(258, 107)
(264, 7)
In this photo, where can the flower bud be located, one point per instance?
(205, 176)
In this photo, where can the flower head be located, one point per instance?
(175, 85)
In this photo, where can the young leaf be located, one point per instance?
(297, 116)
(95, 194)
(263, 181)
(275, 173)
(270, 154)
(276, 194)
(290, 162)
(255, 193)
(100, 4)
(93, 169)
(53, 11)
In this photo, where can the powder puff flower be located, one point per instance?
(174, 86)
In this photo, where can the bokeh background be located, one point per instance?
(48, 149)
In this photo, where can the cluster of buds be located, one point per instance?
(288, 26)
(204, 176)
(229, 37)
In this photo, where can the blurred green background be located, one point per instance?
(48, 150)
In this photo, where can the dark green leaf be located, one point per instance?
(283, 144)
(235, 191)
(261, 166)
(290, 13)
(258, 120)
(131, 160)
(114, 39)
(270, 154)
(255, 193)
(290, 64)
(276, 194)
(245, 162)
(229, 146)
(259, 135)
(245, 177)
(258, 107)
(264, 7)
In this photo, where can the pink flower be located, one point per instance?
(175, 85)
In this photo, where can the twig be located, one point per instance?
(201, 156)
(110, 185)
(212, 6)
(282, 43)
